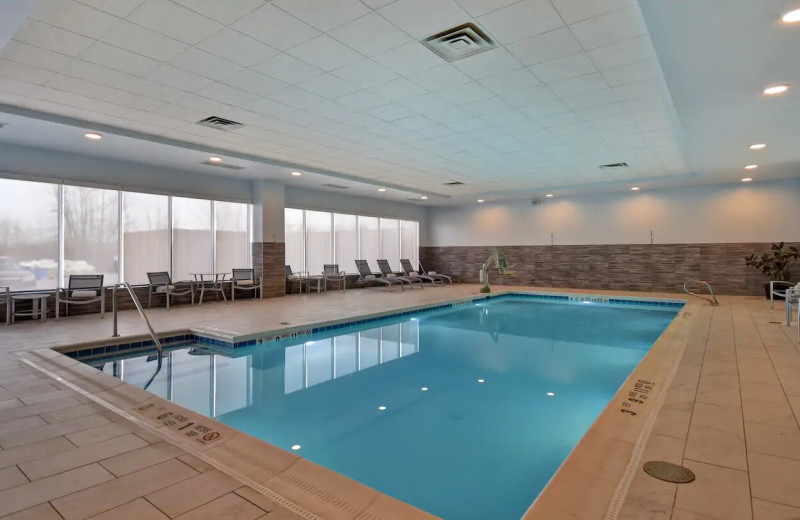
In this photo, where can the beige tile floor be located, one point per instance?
(731, 415)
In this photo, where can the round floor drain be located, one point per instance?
(668, 472)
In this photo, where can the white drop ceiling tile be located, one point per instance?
(358, 119)
(601, 112)
(529, 96)
(580, 85)
(79, 86)
(485, 106)
(120, 97)
(178, 78)
(288, 69)
(397, 89)
(591, 99)
(633, 73)
(440, 77)
(623, 53)
(118, 59)
(576, 10)
(477, 8)
(521, 20)
(370, 35)
(276, 28)
(237, 47)
(97, 74)
(365, 73)
(296, 97)
(564, 118)
(609, 28)
(545, 47)
(326, 53)
(466, 93)
(564, 68)
(390, 112)
(205, 64)
(408, 59)
(612, 122)
(120, 8)
(323, 14)
(254, 82)
(75, 17)
(141, 40)
(504, 117)
(426, 103)
(363, 100)
(547, 108)
(225, 12)
(175, 21)
(423, 18)
(52, 38)
(328, 86)
(34, 56)
(488, 64)
(227, 94)
(654, 88)
(508, 82)
(153, 90)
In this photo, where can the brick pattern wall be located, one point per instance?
(627, 267)
(269, 260)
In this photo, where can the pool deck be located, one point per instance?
(731, 414)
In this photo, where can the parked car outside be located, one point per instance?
(14, 276)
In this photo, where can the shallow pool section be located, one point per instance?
(465, 412)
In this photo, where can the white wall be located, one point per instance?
(755, 212)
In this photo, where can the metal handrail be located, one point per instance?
(712, 300)
(139, 308)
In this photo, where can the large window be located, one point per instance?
(28, 235)
(314, 238)
(51, 231)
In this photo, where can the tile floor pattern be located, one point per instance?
(731, 415)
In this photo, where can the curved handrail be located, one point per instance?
(138, 305)
(712, 299)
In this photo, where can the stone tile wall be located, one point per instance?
(625, 267)
(269, 260)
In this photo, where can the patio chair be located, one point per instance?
(778, 288)
(405, 263)
(366, 276)
(82, 289)
(791, 302)
(161, 283)
(245, 280)
(386, 270)
(300, 277)
(331, 273)
(6, 298)
(434, 274)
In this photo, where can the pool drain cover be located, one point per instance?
(668, 472)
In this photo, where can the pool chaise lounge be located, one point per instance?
(387, 272)
(366, 276)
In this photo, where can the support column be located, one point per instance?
(269, 248)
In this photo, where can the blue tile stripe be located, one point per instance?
(113, 350)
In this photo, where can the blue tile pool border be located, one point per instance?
(95, 352)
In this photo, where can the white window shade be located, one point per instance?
(91, 232)
(145, 234)
(295, 239)
(232, 244)
(390, 242)
(345, 232)
(191, 237)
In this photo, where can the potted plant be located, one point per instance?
(775, 264)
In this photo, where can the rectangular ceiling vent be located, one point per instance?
(454, 183)
(336, 186)
(613, 166)
(459, 42)
(220, 123)
(223, 165)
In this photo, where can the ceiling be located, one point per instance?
(344, 89)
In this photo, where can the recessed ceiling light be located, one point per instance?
(296, 447)
(791, 16)
(747, 179)
(480, 201)
(381, 408)
(550, 394)
(774, 90)
(424, 197)
(759, 146)
(215, 158)
(94, 136)
(296, 174)
(381, 189)
(751, 167)
(549, 195)
(424, 388)
(635, 188)
(481, 380)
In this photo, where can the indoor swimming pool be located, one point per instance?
(465, 412)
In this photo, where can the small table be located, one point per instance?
(318, 279)
(211, 282)
(36, 311)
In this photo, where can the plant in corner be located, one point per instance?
(775, 264)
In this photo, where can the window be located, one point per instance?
(369, 240)
(390, 242)
(409, 242)
(295, 239)
(91, 232)
(28, 235)
(319, 241)
(145, 235)
(232, 243)
(191, 237)
(345, 233)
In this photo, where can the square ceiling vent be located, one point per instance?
(460, 42)
(220, 123)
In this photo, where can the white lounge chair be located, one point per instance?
(82, 289)
(405, 263)
(386, 270)
(161, 283)
(366, 276)
(434, 274)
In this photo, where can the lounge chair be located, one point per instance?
(366, 276)
(161, 283)
(434, 274)
(386, 270)
(82, 289)
(778, 288)
(411, 273)
(245, 280)
(331, 273)
(6, 298)
(299, 277)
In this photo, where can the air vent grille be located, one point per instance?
(613, 166)
(223, 165)
(220, 123)
(336, 186)
(459, 42)
(454, 183)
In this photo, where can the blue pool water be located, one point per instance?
(468, 430)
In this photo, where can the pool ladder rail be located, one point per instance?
(710, 298)
(139, 308)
